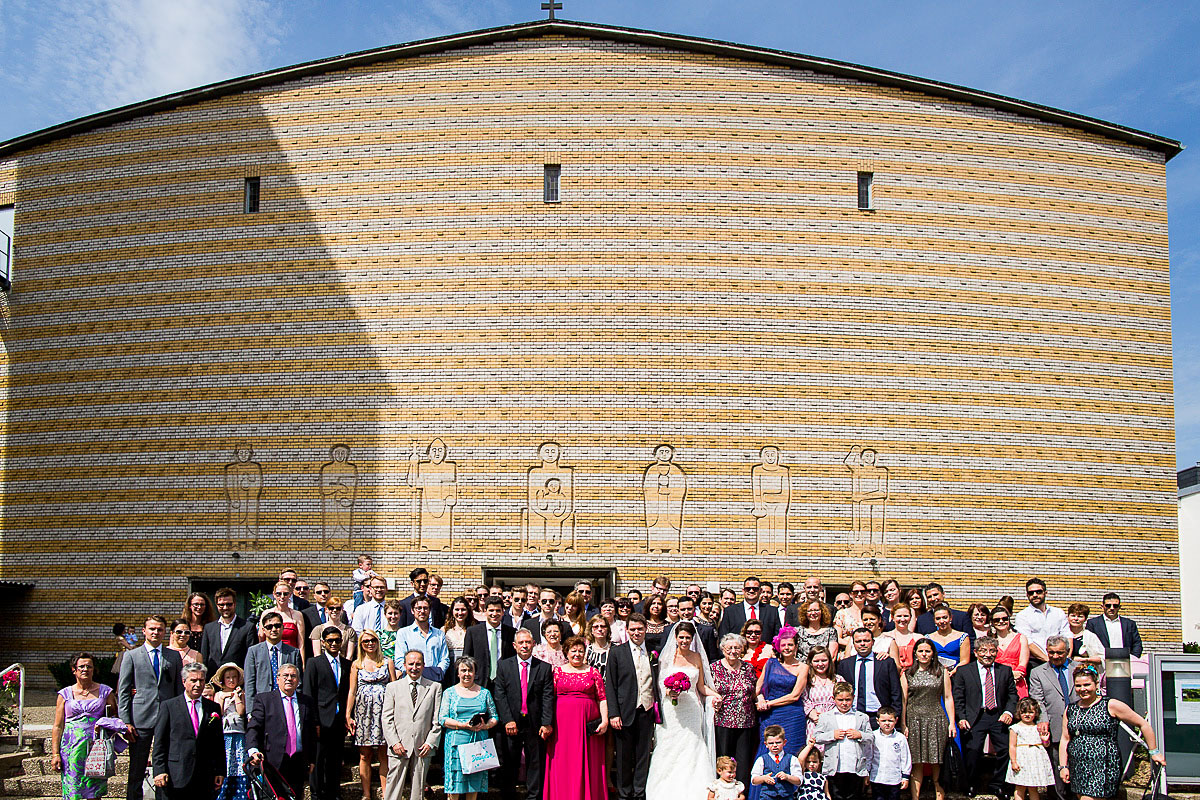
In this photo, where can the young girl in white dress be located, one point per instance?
(1029, 767)
(726, 786)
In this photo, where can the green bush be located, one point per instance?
(64, 677)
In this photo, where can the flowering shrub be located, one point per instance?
(9, 684)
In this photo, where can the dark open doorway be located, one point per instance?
(562, 580)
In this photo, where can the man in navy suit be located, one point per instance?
(985, 703)
(327, 682)
(1113, 630)
(283, 730)
(526, 710)
(631, 685)
(437, 609)
(516, 610)
(489, 643)
(189, 747)
(751, 607)
(935, 596)
(876, 681)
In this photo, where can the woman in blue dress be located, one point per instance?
(780, 697)
(952, 647)
(461, 703)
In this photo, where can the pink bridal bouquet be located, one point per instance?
(677, 683)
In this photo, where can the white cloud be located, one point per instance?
(96, 54)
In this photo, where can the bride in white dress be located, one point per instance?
(682, 764)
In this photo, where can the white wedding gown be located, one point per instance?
(682, 764)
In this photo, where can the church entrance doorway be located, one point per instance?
(562, 580)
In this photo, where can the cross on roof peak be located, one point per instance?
(551, 7)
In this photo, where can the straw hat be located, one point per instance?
(218, 678)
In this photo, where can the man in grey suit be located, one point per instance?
(411, 727)
(264, 659)
(149, 675)
(1053, 687)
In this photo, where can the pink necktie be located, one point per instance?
(291, 726)
(524, 687)
(195, 716)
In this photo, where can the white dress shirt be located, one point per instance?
(1037, 626)
(226, 629)
(1116, 638)
(645, 675)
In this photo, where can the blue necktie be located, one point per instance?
(274, 665)
(862, 683)
(1062, 682)
(155, 664)
(323, 617)
(378, 617)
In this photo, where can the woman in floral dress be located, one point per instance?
(79, 706)
(1087, 753)
(369, 676)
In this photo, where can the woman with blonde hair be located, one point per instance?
(575, 611)
(370, 674)
(293, 621)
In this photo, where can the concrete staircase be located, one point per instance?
(27, 773)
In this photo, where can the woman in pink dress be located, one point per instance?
(1014, 648)
(575, 756)
(818, 695)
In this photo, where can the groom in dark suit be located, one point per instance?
(751, 607)
(524, 692)
(489, 643)
(189, 748)
(882, 686)
(631, 687)
(985, 703)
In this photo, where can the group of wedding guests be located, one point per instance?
(664, 697)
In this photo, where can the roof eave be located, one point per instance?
(1169, 147)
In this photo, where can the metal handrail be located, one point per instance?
(20, 668)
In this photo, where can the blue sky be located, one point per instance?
(1134, 63)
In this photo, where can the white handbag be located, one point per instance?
(478, 756)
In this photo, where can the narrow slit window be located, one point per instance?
(865, 181)
(7, 219)
(250, 196)
(550, 183)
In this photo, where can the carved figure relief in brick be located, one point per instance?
(337, 483)
(434, 482)
(771, 483)
(664, 487)
(243, 488)
(869, 491)
(548, 519)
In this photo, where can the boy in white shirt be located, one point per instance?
(844, 732)
(889, 761)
